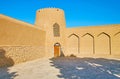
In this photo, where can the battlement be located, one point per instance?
(50, 9)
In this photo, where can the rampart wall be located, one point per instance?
(102, 41)
(19, 41)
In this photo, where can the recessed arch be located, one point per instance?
(57, 44)
(117, 33)
(56, 30)
(104, 42)
(88, 34)
(87, 44)
(104, 34)
(73, 35)
(73, 43)
(93, 41)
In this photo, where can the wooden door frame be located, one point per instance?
(57, 44)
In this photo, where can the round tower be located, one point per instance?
(48, 17)
(52, 20)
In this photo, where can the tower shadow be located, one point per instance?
(5, 63)
(61, 53)
(86, 68)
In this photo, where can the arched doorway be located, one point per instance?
(56, 49)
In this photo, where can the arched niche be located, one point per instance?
(56, 30)
(103, 44)
(116, 44)
(73, 44)
(87, 44)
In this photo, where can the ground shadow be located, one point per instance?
(5, 63)
(87, 68)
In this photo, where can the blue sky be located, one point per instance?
(77, 12)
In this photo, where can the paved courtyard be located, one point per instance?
(64, 68)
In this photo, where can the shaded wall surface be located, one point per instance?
(14, 32)
(102, 41)
(20, 41)
(10, 55)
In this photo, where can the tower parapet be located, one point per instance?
(48, 16)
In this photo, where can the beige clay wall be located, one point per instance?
(95, 41)
(14, 32)
(11, 55)
(20, 41)
(100, 41)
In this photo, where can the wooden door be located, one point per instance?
(56, 51)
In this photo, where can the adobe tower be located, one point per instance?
(52, 20)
